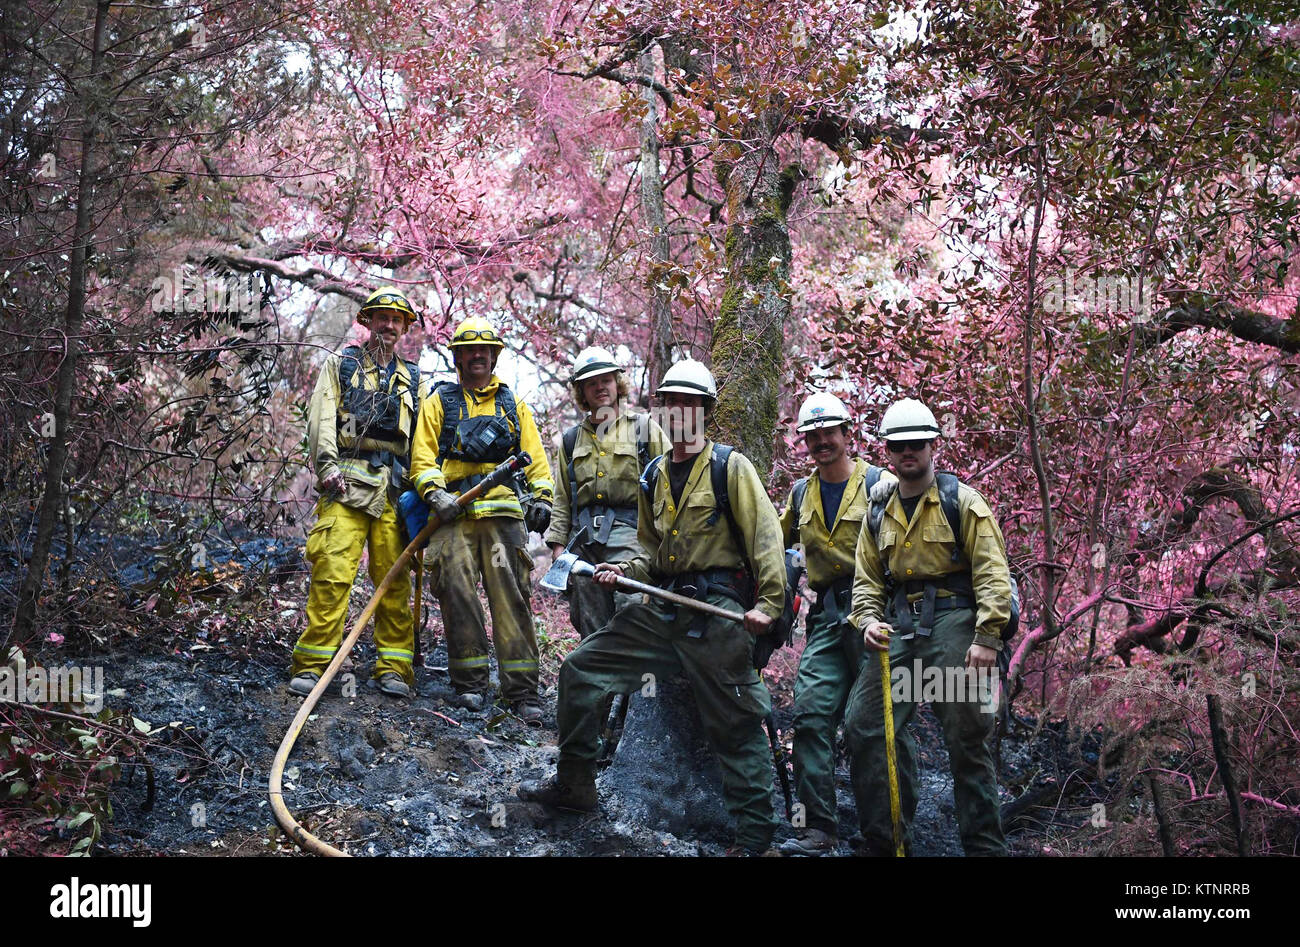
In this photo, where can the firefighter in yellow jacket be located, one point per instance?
(359, 427)
(933, 588)
(685, 547)
(464, 430)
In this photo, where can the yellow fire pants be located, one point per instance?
(334, 548)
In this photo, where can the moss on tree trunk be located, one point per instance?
(748, 337)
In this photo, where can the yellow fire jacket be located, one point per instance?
(607, 469)
(427, 475)
(676, 537)
(923, 550)
(829, 551)
(329, 442)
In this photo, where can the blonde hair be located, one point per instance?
(623, 390)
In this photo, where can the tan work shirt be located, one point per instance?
(677, 539)
(367, 486)
(607, 469)
(829, 552)
(922, 549)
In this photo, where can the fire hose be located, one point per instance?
(301, 837)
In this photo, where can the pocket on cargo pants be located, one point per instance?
(318, 538)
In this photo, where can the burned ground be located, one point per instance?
(375, 775)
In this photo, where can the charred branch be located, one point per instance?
(1246, 324)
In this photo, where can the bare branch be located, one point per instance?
(1198, 311)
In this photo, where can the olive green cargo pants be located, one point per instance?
(642, 645)
(967, 725)
(821, 691)
(494, 549)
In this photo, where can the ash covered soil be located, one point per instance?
(374, 775)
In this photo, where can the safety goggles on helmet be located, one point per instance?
(387, 300)
(468, 336)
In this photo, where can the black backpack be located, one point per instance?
(375, 413)
(781, 634)
(482, 439)
(948, 486)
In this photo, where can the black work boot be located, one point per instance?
(569, 788)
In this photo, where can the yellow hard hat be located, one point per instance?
(386, 297)
(476, 331)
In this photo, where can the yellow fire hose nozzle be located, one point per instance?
(301, 836)
(891, 754)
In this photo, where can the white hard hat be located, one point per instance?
(592, 362)
(688, 377)
(822, 410)
(908, 420)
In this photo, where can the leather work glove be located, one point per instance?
(444, 505)
(883, 488)
(538, 516)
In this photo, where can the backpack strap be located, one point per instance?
(452, 397)
(876, 511)
(569, 443)
(871, 477)
(413, 369)
(413, 373)
(650, 477)
(349, 365)
(718, 460)
(505, 400)
(796, 502)
(643, 439)
(948, 487)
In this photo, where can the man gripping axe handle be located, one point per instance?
(301, 837)
(567, 564)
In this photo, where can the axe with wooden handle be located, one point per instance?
(568, 564)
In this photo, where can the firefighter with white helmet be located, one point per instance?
(599, 469)
(727, 560)
(824, 513)
(931, 587)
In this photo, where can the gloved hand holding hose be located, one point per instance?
(443, 505)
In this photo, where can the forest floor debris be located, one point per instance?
(375, 775)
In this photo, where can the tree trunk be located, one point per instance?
(663, 774)
(51, 501)
(652, 210)
(748, 338)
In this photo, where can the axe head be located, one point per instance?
(565, 565)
